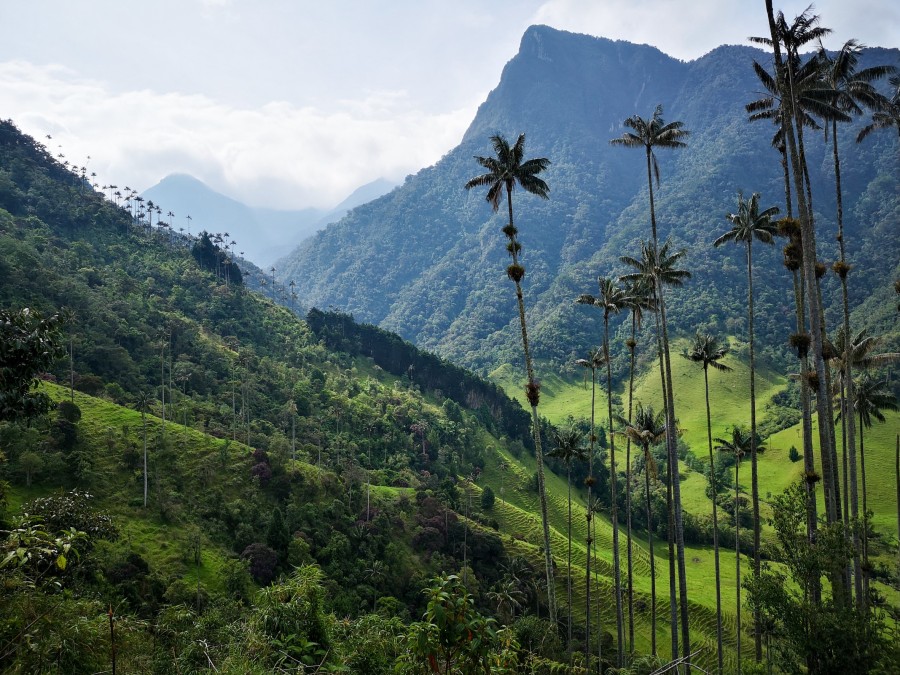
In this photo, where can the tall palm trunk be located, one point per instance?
(533, 392)
(144, 433)
(809, 466)
(676, 487)
(785, 77)
(590, 522)
(631, 346)
(569, 571)
(754, 473)
(670, 526)
(849, 425)
(673, 585)
(613, 498)
(737, 553)
(652, 561)
(715, 516)
(669, 399)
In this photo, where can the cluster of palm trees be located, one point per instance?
(803, 93)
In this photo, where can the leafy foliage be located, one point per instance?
(29, 346)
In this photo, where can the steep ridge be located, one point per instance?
(427, 260)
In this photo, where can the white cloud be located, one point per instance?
(277, 155)
(687, 30)
(298, 103)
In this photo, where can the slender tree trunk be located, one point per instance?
(533, 398)
(754, 480)
(669, 398)
(670, 525)
(162, 384)
(652, 562)
(845, 480)
(144, 429)
(673, 584)
(569, 575)
(809, 464)
(112, 640)
(671, 437)
(614, 499)
(631, 347)
(599, 595)
(784, 77)
(737, 553)
(712, 473)
(71, 368)
(590, 522)
(849, 419)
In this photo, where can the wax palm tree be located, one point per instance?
(659, 267)
(792, 260)
(706, 351)
(786, 42)
(750, 223)
(739, 445)
(143, 400)
(611, 299)
(861, 354)
(508, 598)
(887, 113)
(504, 171)
(568, 446)
(812, 99)
(849, 89)
(872, 397)
(646, 430)
(857, 353)
(639, 298)
(649, 134)
(593, 362)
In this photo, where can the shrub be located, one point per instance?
(263, 562)
(487, 499)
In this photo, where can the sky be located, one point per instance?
(296, 103)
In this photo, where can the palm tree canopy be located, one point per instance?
(652, 133)
(871, 398)
(739, 443)
(508, 168)
(647, 428)
(813, 98)
(802, 31)
(568, 445)
(595, 358)
(749, 223)
(887, 113)
(706, 350)
(611, 298)
(851, 87)
(655, 266)
(639, 297)
(861, 347)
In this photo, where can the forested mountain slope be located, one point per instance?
(209, 443)
(428, 260)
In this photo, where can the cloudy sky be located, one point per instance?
(293, 103)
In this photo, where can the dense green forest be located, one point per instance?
(197, 476)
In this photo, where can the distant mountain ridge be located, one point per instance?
(262, 233)
(428, 260)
